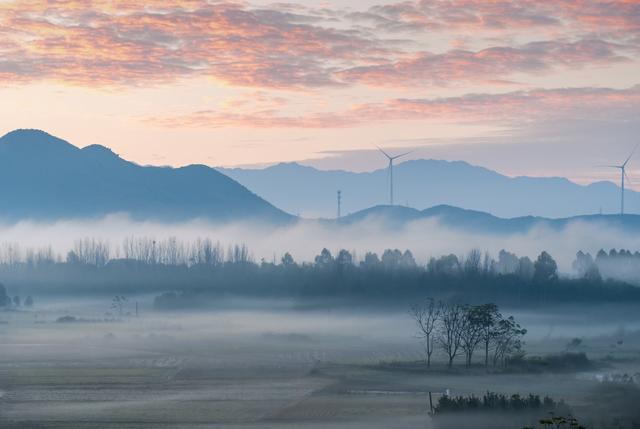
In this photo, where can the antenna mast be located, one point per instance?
(339, 204)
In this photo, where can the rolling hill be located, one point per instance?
(476, 221)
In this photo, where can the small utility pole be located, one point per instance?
(339, 204)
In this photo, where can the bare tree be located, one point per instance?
(473, 263)
(471, 332)
(487, 264)
(426, 317)
(90, 251)
(239, 254)
(11, 254)
(452, 321)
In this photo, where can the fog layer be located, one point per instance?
(304, 240)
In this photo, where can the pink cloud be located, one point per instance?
(485, 65)
(511, 108)
(125, 42)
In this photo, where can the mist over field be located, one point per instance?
(269, 364)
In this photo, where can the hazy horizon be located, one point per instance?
(339, 161)
(521, 88)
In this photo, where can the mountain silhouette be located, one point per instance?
(427, 183)
(480, 222)
(43, 177)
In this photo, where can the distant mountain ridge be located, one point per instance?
(43, 177)
(481, 222)
(425, 183)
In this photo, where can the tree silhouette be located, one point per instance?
(287, 260)
(426, 316)
(452, 326)
(117, 303)
(5, 300)
(545, 269)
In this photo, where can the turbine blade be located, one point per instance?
(385, 153)
(630, 156)
(403, 154)
(628, 178)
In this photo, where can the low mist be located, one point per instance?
(305, 239)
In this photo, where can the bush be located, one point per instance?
(552, 363)
(498, 402)
(66, 319)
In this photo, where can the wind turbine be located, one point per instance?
(391, 159)
(623, 175)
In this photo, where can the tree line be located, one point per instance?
(171, 251)
(147, 250)
(174, 252)
(6, 301)
(192, 270)
(616, 264)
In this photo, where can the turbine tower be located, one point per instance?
(391, 159)
(623, 176)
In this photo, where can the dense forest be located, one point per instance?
(187, 272)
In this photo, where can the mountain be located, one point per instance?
(426, 183)
(480, 222)
(43, 177)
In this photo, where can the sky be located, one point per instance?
(525, 87)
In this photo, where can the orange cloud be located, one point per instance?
(105, 42)
(125, 42)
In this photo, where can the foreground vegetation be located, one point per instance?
(492, 401)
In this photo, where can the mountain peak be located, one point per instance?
(43, 177)
(99, 150)
(33, 138)
(23, 132)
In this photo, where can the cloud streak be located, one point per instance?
(616, 18)
(511, 108)
(487, 65)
